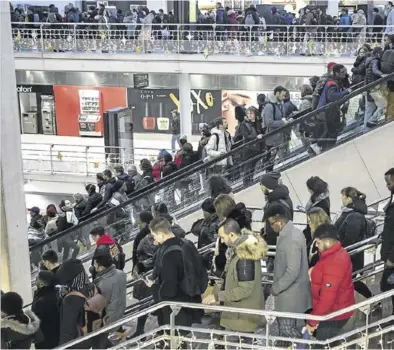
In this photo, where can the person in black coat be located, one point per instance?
(80, 205)
(359, 67)
(168, 275)
(320, 198)
(18, 329)
(45, 306)
(352, 228)
(93, 200)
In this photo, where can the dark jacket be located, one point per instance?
(169, 168)
(387, 250)
(79, 208)
(168, 275)
(273, 120)
(279, 195)
(359, 69)
(208, 235)
(106, 192)
(378, 21)
(332, 285)
(72, 318)
(373, 72)
(249, 131)
(92, 202)
(16, 334)
(46, 307)
(146, 179)
(188, 158)
(137, 240)
(129, 181)
(352, 227)
(106, 243)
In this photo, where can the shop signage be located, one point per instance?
(38, 89)
(141, 81)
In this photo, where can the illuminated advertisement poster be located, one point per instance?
(151, 108)
(233, 98)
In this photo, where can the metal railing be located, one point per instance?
(78, 159)
(175, 335)
(206, 39)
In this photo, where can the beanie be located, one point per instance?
(208, 206)
(117, 185)
(70, 269)
(270, 180)
(11, 303)
(330, 65)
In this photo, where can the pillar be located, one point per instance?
(185, 104)
(15, 261)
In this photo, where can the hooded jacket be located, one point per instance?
(18, 335)
(249, 131)
(359, 70)
(352, 227)
(373, 72)
(332, 285)
(112, 284)
(242, 287)
(106, 192)
(106, 243)
(92, 202)
(279, 195)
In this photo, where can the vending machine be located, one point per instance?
(90, 107)
(48, 119)
(119, 135)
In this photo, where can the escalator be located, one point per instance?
(185, 189)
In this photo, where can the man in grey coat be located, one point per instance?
(275, 118)
(291, 287)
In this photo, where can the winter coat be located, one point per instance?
(169, 168)
(208, 234)
(249, 131)
(113, 248)
(51, 227)
(66, 220)
(92, 202)
(215, 149)
(390, 22)
(291, 286)
(120, 213)
(79, 208)
(112, 284)
(359, 70)
(168, 275)
(242, 288)
(18, 335)
(332, 285)
(387, 250)
(188, 158)
(146, 180)
(306, 103)
(273, 120)
(137, 240)
(106, 191)
(373, 72)
(278, 196)
(46, 307)
(352, 228)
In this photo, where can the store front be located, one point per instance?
(36, 109)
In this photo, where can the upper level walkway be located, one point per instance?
(188, 48)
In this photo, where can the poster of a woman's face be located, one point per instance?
(232, 99)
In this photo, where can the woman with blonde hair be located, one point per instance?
(316, 216)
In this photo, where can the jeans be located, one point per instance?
(174, 140)
(327, 330)
(374, 109)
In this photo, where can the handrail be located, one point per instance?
(220, 308)
(193, 168)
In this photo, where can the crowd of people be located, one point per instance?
(312, 270)
(141, 20)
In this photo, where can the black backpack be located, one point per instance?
(387, 62)
(195, 279)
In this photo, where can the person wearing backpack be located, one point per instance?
(242, 287)
(146, 180)
(126, 178)
(352, 228)
(178, 274)
(74, 291)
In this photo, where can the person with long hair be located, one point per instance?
(316, 216)
(218, 185)
(352, 226)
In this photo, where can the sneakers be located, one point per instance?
(316, 148)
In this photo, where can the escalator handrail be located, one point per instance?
(370, 301)
(193, 169)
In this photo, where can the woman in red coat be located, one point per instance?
(331, 283)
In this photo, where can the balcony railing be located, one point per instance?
(205, 39)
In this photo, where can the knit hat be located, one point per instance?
(69, 270)
(208, 206)
(35, 210)
(270, 180)
(326, 231)
(330, 65)
(117, 185)
(11, 303)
